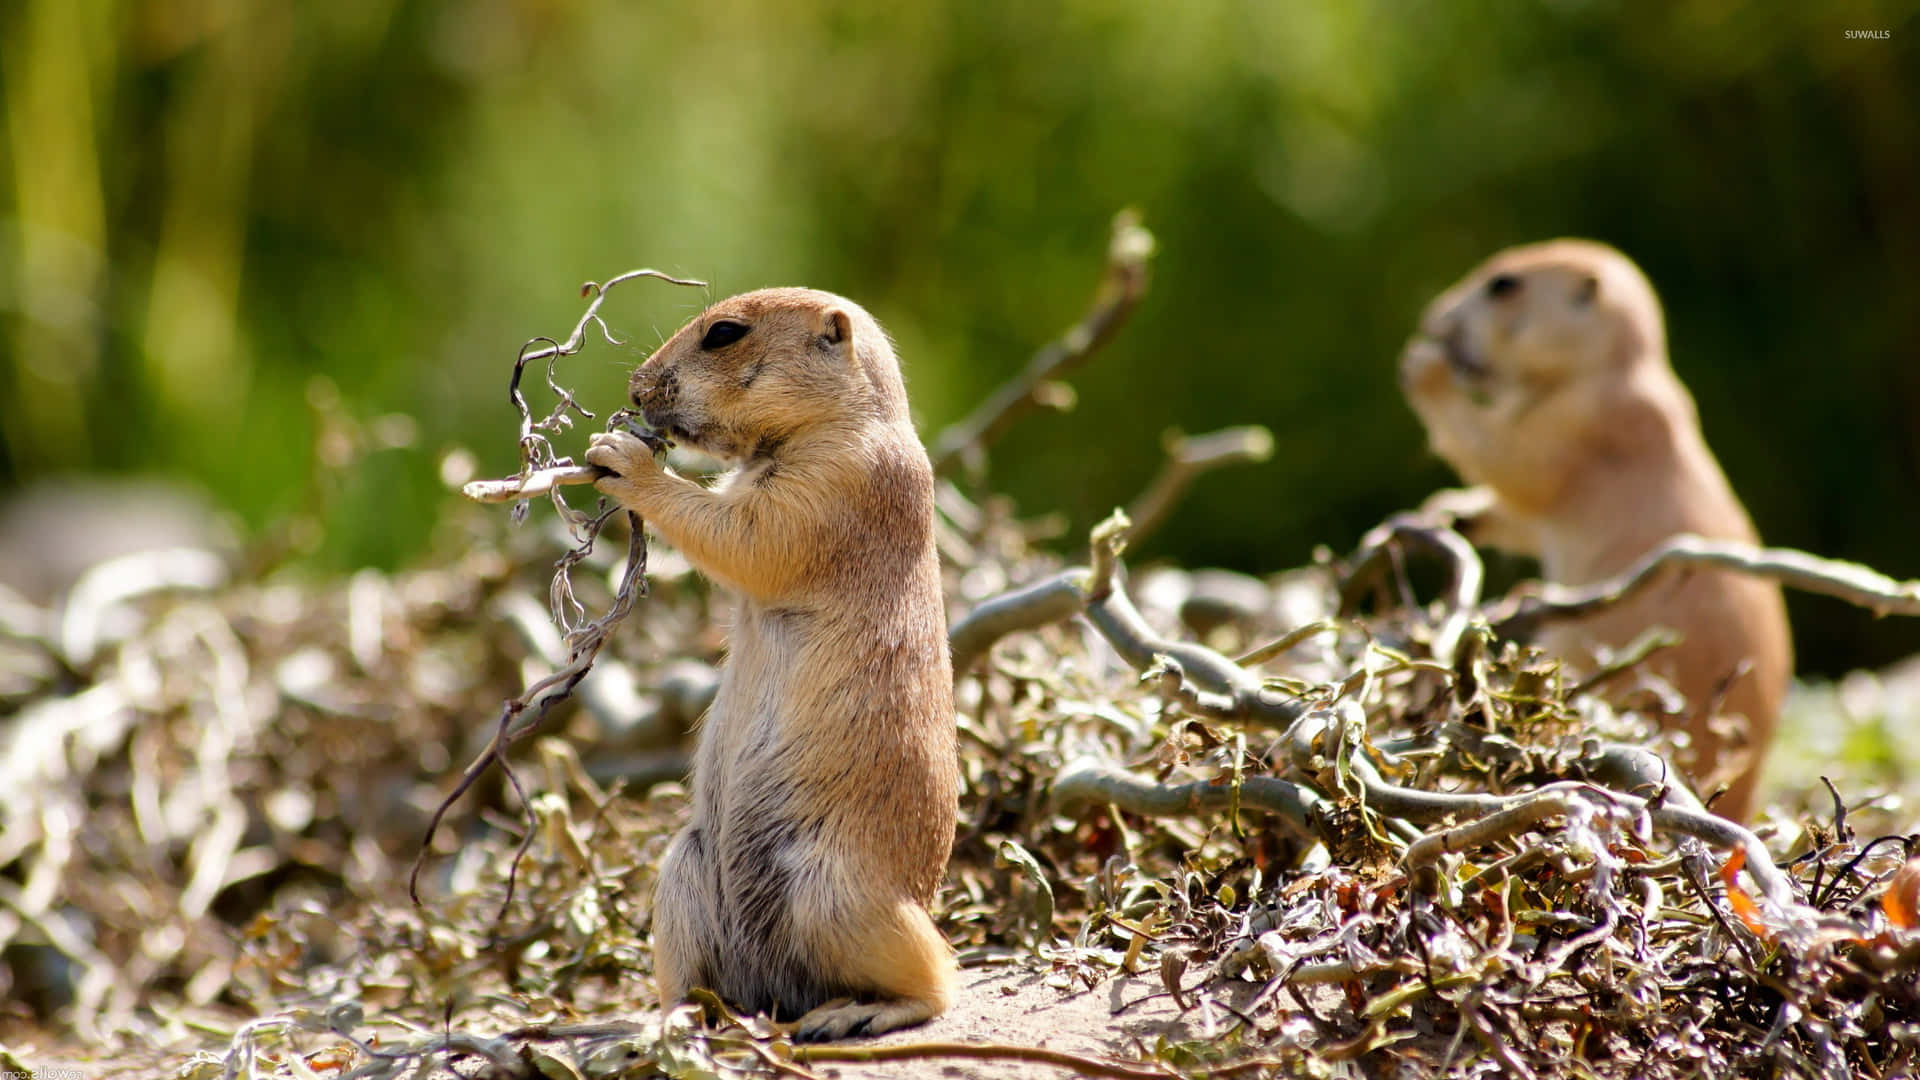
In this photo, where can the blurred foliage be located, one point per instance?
(214, 201)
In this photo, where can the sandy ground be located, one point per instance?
(1001, 1005)
(1011, 1006)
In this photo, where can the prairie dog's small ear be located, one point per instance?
(836, 327)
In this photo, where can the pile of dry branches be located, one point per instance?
(1348, 829)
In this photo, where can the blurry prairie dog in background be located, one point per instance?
(826, 779)
(1542, 378)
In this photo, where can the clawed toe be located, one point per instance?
(837, 1026)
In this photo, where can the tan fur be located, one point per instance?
(1542, 376)
(826, 782)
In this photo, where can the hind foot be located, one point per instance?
(843, 1019)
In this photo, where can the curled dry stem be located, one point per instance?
(536, 453)
(1637, 771)
(1502, 824)
(1241, 694)
(557, 420)
(1522, 614)
(1466, 574)
(523, 715)
(1214, 685)
(541, 473)
(1668, 807)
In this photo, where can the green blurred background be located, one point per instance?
(209, 202)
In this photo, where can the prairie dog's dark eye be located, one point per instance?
(723, 333)
(1502, 285)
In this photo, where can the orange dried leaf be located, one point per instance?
(1901, 901)
(1742, 904)
(1735, 862)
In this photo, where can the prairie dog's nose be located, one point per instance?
(1423, 356)
(653, 387)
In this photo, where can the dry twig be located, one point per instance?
(531, 485)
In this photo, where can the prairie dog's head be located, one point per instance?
(1536, 338)
(759, 369)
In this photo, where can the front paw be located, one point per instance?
(627, 460)
(1479, 514)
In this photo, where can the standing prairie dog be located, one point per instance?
(1542, 378)
(826, 779)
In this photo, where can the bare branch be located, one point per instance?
(577, 340)
(1215, 686)
(1188, 457)
(1503, 824)
(1847, 581)
(1244, 696)
(1124, 284)
(1286, 641)
(1043, 603)
(536, 453)
(1637, 771)
(1099, 594)
(1090, 780)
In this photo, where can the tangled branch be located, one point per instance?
(542, 473)
(1222, 688)
(1327, 742)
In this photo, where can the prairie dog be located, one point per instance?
(1542, 378)
(826, 777)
